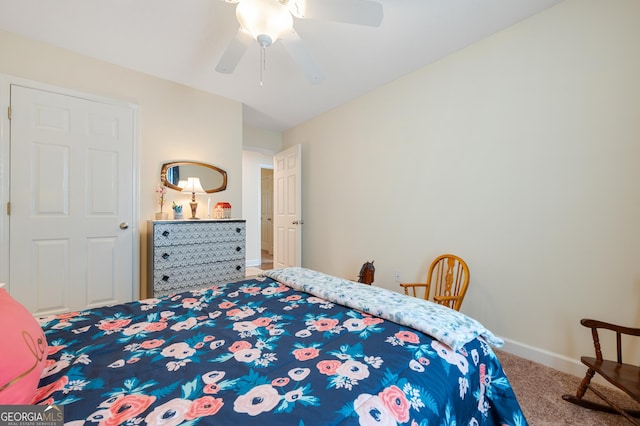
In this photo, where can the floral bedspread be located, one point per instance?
(258, 352)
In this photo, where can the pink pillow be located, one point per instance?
(23, 352)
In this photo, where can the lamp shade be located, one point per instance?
(193, 185)
(265, 20)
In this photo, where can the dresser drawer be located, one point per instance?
(168, 234)
(176, 280)
(196, 254)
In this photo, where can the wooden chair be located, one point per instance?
(625, 377)
(449, 277)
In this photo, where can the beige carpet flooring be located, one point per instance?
(539, 390)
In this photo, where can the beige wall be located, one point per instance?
(262, 140)
(176, 122)
(520, 154)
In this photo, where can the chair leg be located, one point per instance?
(584, 384)
(610, 408)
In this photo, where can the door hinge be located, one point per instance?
(8, 208)
(9, 112)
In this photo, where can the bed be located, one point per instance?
(293, 347)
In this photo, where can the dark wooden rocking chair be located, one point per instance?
(625, 377)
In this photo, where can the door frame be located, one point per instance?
(6, 81)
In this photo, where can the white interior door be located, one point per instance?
(287, 198)
(266, 210)
(71, 194)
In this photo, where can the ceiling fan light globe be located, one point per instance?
(266, 18)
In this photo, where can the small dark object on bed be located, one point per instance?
(367, 273)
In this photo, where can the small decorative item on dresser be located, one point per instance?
(217, 211)
(177, 211)
(161, 190)
(222, 210)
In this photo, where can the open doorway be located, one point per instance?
(266, 218)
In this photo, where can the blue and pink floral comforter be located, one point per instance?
(258, 352)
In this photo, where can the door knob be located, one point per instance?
(124, 225)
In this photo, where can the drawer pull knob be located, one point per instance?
(165, 278)
(238, 267)
(166, 233)
(238, 230)
(238, 248)
(165, 256)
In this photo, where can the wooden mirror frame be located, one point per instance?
(167, 166)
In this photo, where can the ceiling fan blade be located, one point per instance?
(232, 55)
(360, 12)
(301, 56)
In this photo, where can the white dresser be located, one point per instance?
(192, 254)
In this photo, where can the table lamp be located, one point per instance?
(193, 186)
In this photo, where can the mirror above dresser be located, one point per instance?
(175, 174)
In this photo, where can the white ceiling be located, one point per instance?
(182, 41)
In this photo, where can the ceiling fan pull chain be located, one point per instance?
(263, 54)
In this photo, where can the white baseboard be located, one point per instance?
(550, 359)
(254, 262)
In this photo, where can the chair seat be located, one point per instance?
(624, 376)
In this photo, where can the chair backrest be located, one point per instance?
(449, 277)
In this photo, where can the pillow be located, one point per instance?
(23, 352)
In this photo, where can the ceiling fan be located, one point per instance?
(267, 21)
